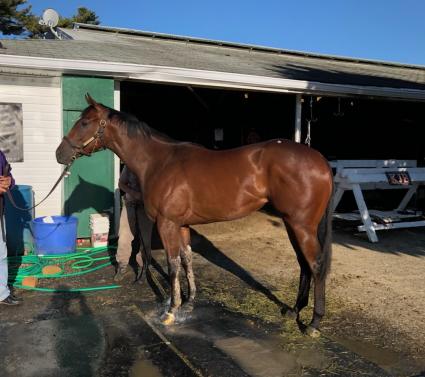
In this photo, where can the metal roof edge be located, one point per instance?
(185, 76)
(63, 33)
(149, 34)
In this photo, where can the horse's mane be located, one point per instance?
(134, 126)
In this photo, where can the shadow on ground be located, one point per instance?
(409, 241)
(204, 247)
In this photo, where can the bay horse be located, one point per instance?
(186, 184)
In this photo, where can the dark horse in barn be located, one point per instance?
(185, 184)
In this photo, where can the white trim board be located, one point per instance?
(117, 196)
(203, 78)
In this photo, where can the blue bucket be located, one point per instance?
(18, 234)
(56, 237)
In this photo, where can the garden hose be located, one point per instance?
(82, 261)
(72, 290)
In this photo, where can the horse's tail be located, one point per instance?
(324, 233)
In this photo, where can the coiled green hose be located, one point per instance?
(24, 266)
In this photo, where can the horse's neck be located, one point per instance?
(141, 153)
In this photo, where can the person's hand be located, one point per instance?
(5, 183)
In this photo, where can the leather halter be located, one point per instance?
(98, 136)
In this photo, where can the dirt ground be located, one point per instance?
(375, 292)
(375, 304)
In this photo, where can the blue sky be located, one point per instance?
(390, 30)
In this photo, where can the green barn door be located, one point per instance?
(90, 186)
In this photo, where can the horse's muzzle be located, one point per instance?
(64, 153)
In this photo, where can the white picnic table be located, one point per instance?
(360, 175)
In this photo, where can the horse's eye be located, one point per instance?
(84, 123)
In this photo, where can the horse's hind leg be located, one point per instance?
(186, 258)
(305, 277)
(308, 249)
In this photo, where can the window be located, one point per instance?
(11, 138)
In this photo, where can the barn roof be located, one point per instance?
(126, 47)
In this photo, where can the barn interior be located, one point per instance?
(215, 118)
(361, 128)
(341, 127)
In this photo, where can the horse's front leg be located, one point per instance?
(171, 239)
(186, 258)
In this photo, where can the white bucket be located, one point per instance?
(99, 225)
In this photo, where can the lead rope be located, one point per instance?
(309, 121)
(308, 138)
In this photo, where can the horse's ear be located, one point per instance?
(90, 100)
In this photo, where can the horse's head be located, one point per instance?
(87, 134)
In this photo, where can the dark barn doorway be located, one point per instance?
(215, 118)
(360, 128)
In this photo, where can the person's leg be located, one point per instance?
(126, 236)
(144, 255)
(4, 289)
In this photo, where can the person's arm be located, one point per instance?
(6, 180)
(123, 185)
(128, 190)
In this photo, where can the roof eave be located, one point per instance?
(185, 76)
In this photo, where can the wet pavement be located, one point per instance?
(223, 343)
(117, 333)
(130, 341)
(61, 347)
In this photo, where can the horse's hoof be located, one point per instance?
(168, 319)
(313, 332)
(188, 307)
(289, 313)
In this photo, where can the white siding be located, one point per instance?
(42, 132)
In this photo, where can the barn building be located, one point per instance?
(215, 93)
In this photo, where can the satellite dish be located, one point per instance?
(50, 17)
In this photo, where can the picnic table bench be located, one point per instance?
(360, 175)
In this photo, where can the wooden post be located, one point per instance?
(337, 197)
(364, 213)
(117, 173)
(298, 104)
(405, 201)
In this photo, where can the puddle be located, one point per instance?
(312, 358)
(144, 368)
(388, 360)
(258, 359)
(382, 357)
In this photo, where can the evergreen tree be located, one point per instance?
(12, 20)
(24, 22)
